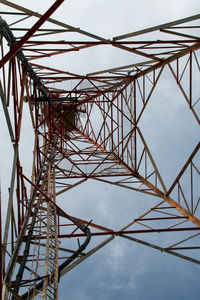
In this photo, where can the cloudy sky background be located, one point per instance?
(123, 269)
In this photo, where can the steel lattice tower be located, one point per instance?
(88, 127)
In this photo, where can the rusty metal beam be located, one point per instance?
(183, 169)
(30, 32)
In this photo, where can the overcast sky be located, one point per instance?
(123, 269)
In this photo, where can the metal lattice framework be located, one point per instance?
(88, 127)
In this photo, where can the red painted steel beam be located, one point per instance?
(113, 43)
(158, 230)
(162, 218)
(126, 232)
(30, 32)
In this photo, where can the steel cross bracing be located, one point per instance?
(88, 127)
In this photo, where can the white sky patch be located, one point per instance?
(116, 256)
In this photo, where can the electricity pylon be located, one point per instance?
(88, 127)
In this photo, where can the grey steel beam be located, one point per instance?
(10, 205)
(7, 116)
(160, 248)
(159, 27)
